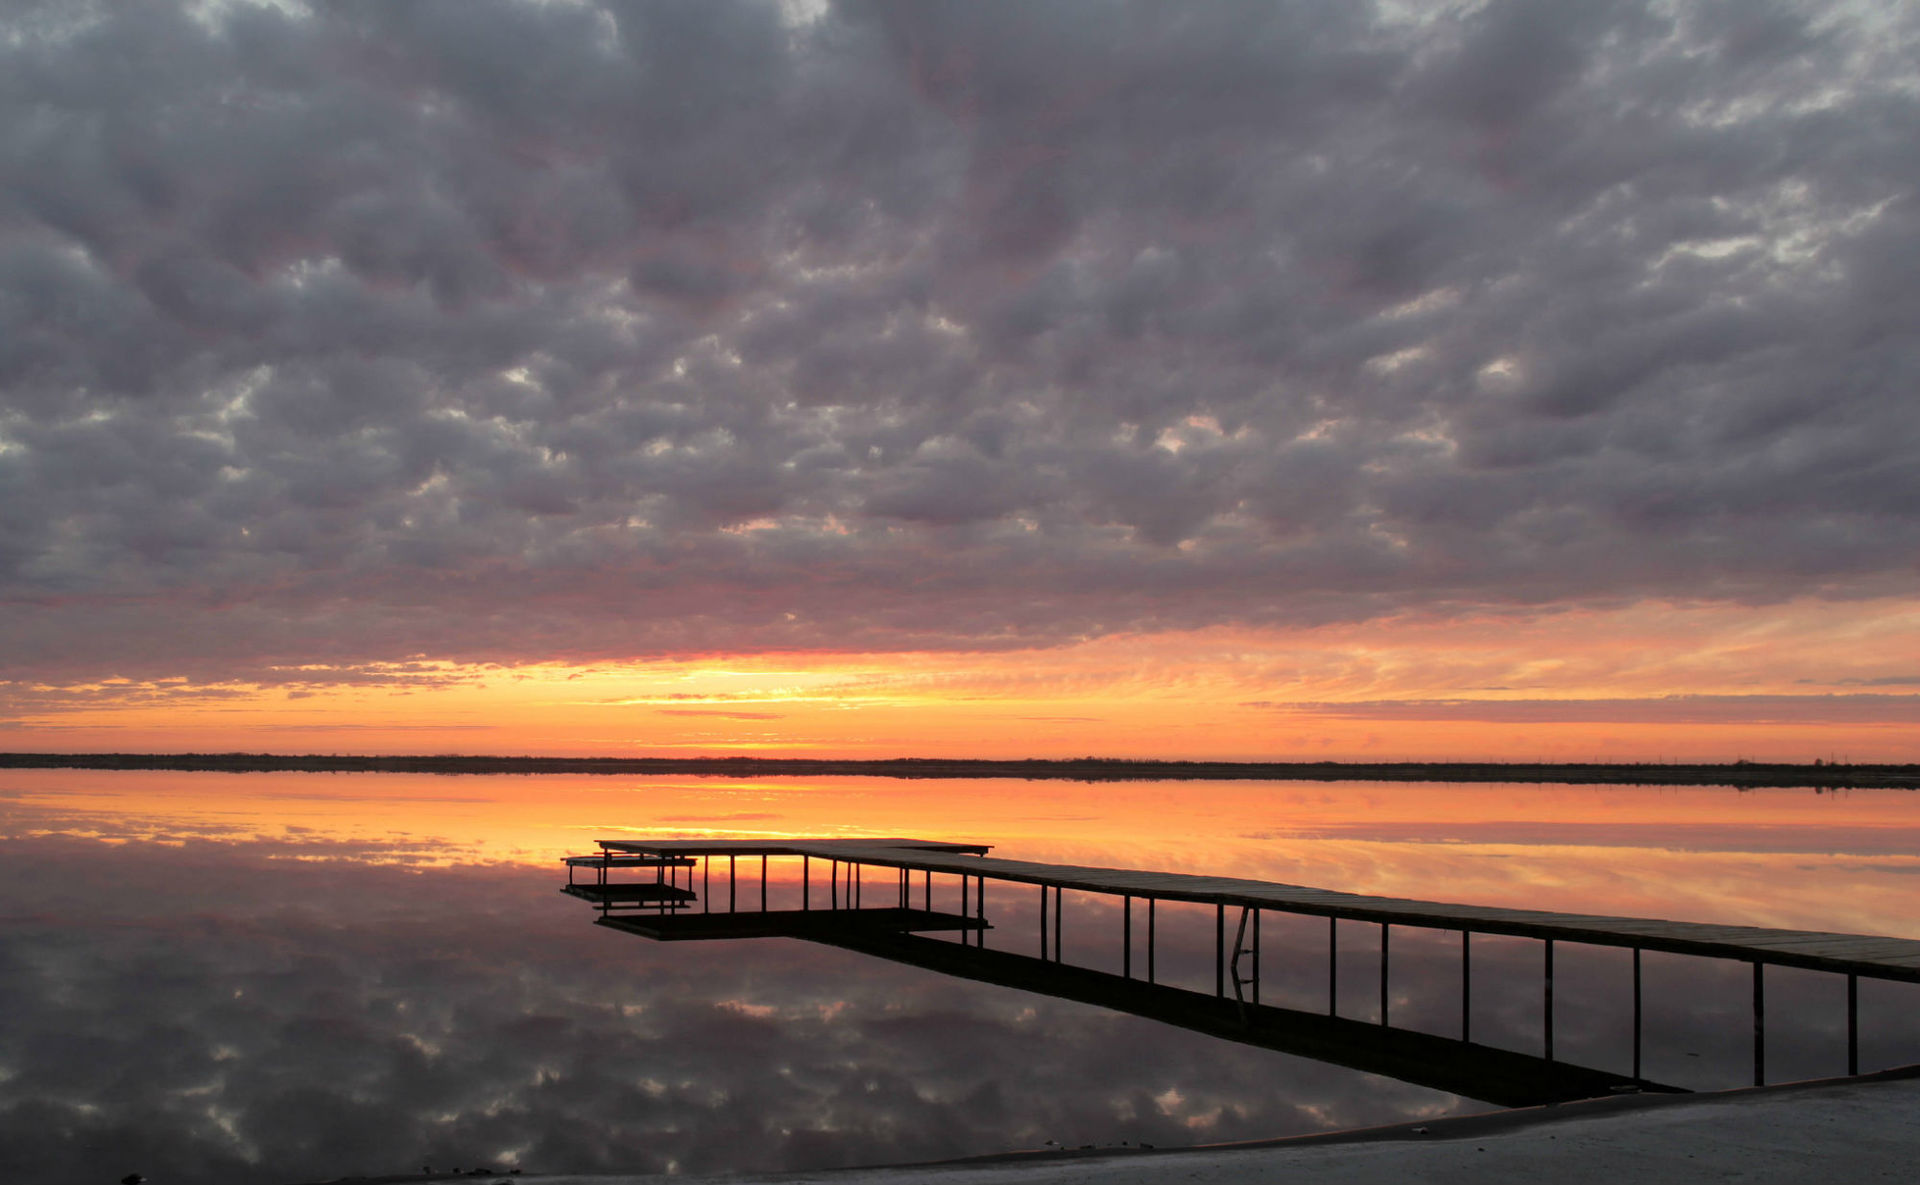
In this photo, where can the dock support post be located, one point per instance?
(806, 882)
(733, 881)
(980, 911)
(926, 889)
(1759, 1023)
(1333, 966)
(1126, 937)
(834, 880)
(1547, 1003)
(1150, 903)
(1384, 929)
(1853, 1024)
(1636, 1013)
(706, 884)
(966, 911)
(1220, 951)
(903, 888)
(1256, 955)
(1045, 953)
(1466, 985)
(1059, 939)
(763, 884)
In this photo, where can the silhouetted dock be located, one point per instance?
(835, 910)
(1852, 954)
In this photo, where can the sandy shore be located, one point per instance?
(1857, 1130)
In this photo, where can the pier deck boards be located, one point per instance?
(1851, 954)
(608, 860)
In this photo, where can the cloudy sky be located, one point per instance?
(1229, 379)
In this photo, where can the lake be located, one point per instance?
(300, 976)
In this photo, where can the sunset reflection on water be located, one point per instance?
(297, 976)
(1837, 860)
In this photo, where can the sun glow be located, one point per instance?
(1802, 681)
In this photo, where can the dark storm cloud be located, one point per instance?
(491, 331)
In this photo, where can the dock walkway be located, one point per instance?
(1848, 954)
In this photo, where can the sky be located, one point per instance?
(1237, 380)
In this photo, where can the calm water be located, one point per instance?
(293, 977)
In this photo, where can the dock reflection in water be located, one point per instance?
(293, 977)
(657, 905)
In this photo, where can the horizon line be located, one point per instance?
(1819, 773)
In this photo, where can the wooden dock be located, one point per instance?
(1848, 954)
(1504, 1077)
(656, 910)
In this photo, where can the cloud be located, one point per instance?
(196, 1009)
(216, 1026)
(1670, 709)
(488, 331)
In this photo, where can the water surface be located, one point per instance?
(299, 976)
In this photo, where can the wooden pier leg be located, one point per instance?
(926, 890)
(806, 882)
(903, 888)
(1220, 951)
(1150, 919)
(1126, 937)
(1759, 1023)
(706, 884)
(1466, 985)
(1548, 1002)
(1256, 956)
(1059, 939)
(980, 910)
(763, 884)
(833, 875)
(1636, 1013)
(1045, 952)
(1853, 1024)
(859, 884)
(966, 936)
(1333, 966)
(1383, 973)
(732, 881)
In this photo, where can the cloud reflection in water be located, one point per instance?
(213, 1005)
(226, 1014)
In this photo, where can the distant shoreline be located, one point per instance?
(1739, 774)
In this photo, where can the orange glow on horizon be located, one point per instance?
(1484, 688)
(1788, 858)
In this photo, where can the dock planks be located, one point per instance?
(1852, 954)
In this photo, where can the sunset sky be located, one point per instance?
(1244, 380)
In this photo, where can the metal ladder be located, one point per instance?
(1240, 949)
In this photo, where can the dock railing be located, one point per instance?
(838, 912)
